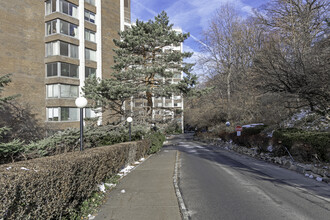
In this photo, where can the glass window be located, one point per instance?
(89, 113)
(68, 8)
(69, 114)
(62, 91)
(52, 114)
(126, 3)
(64, 27)
(61, 48)
(69, 70)
(51, 69)
(89, 16)
(90, 54)
(48, 7)
(64, 49)
(52, 91)
(89, 35)
(73, 51)
(69, 91)
(65, 69)
(92, 2)
(89, 72)
(52, 48)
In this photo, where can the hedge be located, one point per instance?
(311, 142)
(52, 187)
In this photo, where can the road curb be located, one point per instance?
(182, 206)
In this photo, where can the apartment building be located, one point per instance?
(51, 46)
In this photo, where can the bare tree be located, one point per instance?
(292, 61)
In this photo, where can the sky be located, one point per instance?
(191, 16)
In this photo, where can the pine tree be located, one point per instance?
(144, 59)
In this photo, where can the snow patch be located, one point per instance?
(311, 176)
(252, 125)
(23, 168)
(123, 191)
(306, 174)
(319, 179)
(136, 163)
(101, 187)
(90, 217)
(142, 159)
(126, 170)
(111, 185)
(8, 168)
(270, 148)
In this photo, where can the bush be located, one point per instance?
(68, 141)
(311, 142)
(173, 128)
(156, 141)
(51, 187)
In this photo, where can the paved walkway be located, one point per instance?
(149, 192)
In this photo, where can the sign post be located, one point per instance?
(238, 130)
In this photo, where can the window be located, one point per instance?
(62, 91)
(92, 2)
(62, 114)
(126, 3)
(53, 91)
(89, 113)
(89, 35)
(69, 114)
(64, 7)
(52, 48)
(61, 48)
(90, 54)
(89, 72)
(64, 27)
(89, 16)
(51, 27)
(52, 114)
(51, 69)
(62, 69)
(69, 70)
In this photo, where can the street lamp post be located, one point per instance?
(81, 102)
(129, 120)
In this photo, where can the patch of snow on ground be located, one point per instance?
(122, 191)
(101, 187)
(90, 217)
(319, 179)
(23, 168)
(126, 170)
(252, 125)
(8, 168)
(306, 174)
(270, 148)
(142, 159)
(136, 162)
(111, 185)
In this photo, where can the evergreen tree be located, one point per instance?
(144, 59)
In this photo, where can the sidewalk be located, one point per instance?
(149, 192)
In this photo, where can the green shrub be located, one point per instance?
(173, 128)
(318, 142)
(156, 141)
(68, 141)
(54, 187)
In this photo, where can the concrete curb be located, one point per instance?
(182, 206)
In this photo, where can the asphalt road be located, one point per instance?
(218, 184)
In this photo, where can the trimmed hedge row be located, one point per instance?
(52, 187)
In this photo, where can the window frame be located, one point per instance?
(57, 88)
(88, 17)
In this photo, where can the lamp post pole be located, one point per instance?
(81, 102)
(129, 120)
